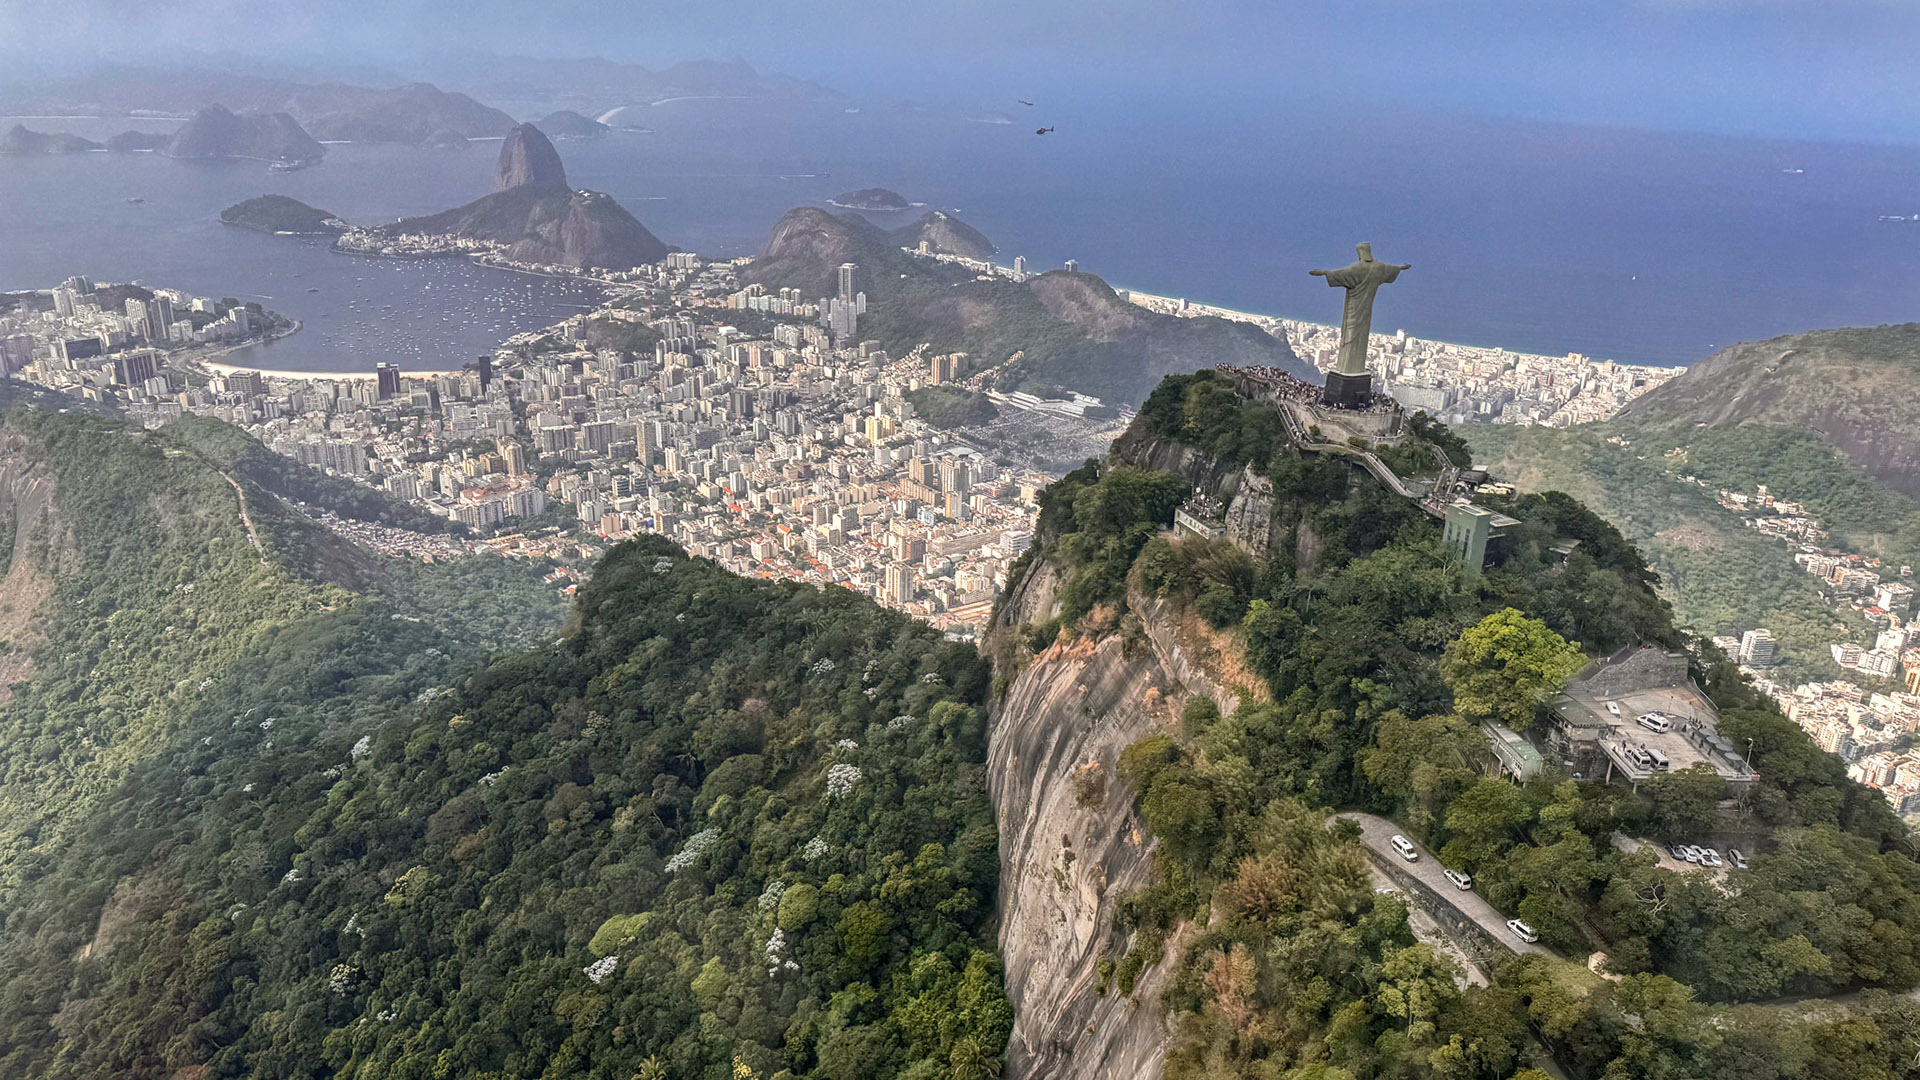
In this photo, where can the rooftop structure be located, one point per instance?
(1474, 534)
(1637, 713)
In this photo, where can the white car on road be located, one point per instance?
(1461, 881)
(1522, 931)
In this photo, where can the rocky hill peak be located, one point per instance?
(946, 235)
(528, 158)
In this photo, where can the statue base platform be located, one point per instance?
(1348, 391)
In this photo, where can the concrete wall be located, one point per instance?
(1632, 670)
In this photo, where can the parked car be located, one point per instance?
(1522, 931)
(1678, 851)
(1461, 881)
(1690, 853)
(1710, 857)
(1405, 847)
(1656, 723)
(1739, 860)
(1613, 708)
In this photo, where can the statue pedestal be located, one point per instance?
(1348, 391)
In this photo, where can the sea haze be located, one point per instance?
(1630, 245)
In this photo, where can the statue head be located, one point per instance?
(1366, 251)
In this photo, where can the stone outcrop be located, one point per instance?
(26, 497)
(1071, 847)
(945, 234)
(1068, 857)
(1249, 520)
(539, 219)
(527, 158)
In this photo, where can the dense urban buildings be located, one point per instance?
(788, 453)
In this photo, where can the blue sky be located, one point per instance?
(1826, 69)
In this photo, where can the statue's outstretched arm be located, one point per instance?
(1318, 273)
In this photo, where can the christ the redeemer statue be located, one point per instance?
(1349, 384)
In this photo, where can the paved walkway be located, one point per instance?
(1377, 833)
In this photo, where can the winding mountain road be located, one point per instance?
(1377, 834)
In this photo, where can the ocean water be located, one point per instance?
(1651, 248)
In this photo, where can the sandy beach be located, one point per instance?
(216, 368)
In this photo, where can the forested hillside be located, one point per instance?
(266, 825)
(1379, 662)
(1721, 576)
(1844, 388)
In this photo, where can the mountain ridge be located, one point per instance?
(705, 797)
(1845, 384)
(407, 113)
(1054, 331)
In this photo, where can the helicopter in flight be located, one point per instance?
(1042, 131)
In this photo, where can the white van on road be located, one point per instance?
(1405, 847)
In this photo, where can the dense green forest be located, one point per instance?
(154, 581)
(275, 807)
(263, 824)
(234, 450)
(1380, 661)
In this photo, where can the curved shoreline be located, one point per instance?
(207, 365)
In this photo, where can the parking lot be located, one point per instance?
(1668, 862)
(1680, 709)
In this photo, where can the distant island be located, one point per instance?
(415, 113)
(873, 199)
(280, 214)
(219, 132)
(21, 140)
(567, 124)
(213, 132)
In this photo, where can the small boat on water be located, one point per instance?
(287, 166)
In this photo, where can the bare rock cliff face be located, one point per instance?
(1071, 846)
(1067, 859)
(26, 496)
(527, 157)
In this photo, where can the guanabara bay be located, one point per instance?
(471, 632)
